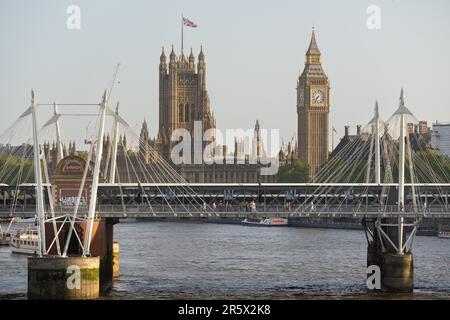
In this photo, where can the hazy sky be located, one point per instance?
(254, 52)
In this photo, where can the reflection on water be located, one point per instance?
(169, 260)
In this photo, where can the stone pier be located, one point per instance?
(397, 270)
(53, 277)
(48, 275)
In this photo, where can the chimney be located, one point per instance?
(358, 129)
(346, 130)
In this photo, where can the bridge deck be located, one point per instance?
(189, 211)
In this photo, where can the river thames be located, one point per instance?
(188, 260)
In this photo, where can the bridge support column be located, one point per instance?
(54, 277)
(397, 272)
(47, 275)
(116, 259)
(373, 248)
(373, 255)
(106, 253)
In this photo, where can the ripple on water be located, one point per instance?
(174, 260)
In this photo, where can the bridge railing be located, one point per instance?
(224, 209)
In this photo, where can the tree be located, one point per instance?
(14, 170)
(297, 171)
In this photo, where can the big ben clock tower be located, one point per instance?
(313, 106)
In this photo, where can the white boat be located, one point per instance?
(444, 234)
(266, 222)
(5, 235)
(4, 238)
(24, 220)
(25, 241)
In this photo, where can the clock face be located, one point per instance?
(318, 96)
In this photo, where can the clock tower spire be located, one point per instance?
(313, 53)
(313, 106)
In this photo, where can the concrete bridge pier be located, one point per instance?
(58, 278)
(74, 276)
(397, 269)
(102, 246)
(116, 260)
(397, 272)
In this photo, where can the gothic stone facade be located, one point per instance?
(183, 99)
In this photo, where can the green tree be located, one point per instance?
(297, 171)
(14, 170)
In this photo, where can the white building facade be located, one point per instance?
(440, 138)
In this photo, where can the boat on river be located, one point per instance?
(266, 222)
(4, 238)
(444, 231)
(25, 241)
(444, 234)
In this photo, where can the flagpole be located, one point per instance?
(182, 32)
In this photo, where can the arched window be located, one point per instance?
(180, 113)
(186, 113)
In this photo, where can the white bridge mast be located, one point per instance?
(115, 141)
(98, 159)
(38, 178)
(377, 145)
(401, 173)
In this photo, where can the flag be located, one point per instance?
(189, 23)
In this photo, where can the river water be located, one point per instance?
(188, 260)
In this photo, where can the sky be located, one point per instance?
(254, 52)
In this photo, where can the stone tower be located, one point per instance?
(258, 147)
(144, 140)
(183, 97)
(313, 106)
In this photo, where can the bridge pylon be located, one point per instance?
(85, 266)
(390, 239)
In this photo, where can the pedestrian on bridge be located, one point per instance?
(253, 206)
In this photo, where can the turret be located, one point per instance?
(124, 142)
(191, 61)
(144, 142)
(257, 127)
(201, 69)
(120, 144)
(173, 59)
(201, 59)
(182, 57)
(257, 140)
(144, 131)
(162, 62)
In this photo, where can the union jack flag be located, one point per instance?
(189, 23)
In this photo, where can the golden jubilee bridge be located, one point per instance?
(386, 180)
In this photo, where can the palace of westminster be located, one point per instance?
(184, 100)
